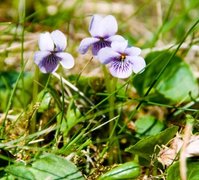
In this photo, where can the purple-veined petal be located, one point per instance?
(94, 25)
(43, 70)
(67, 60)
(121, 69)
(49, 63)
(99, 45)
(119, 46)
(40, 55)
(115, 38)
(138, 63)
(106, 55)
(86, 43)
(59, 40)
(107, 26)
(46, 42)
(55, 68)
(132, 51)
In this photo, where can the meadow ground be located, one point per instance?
(84, 123)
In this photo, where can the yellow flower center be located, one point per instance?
(123, 57)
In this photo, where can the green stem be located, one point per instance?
(34, 94)
(112, 87)
(110, 83)
(22, 18)
(33, 120)
(2, 128)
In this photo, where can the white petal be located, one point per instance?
(121, 69)
(138, 63)
(42, 69)
(67, 60)
(108, 26)
(39, 56)
(46, 42)
(115, 38)
(192, 148)
(59, 40)
(106, 55)
(119, 46)
(85, 44)
(133, 51)
(94, 25)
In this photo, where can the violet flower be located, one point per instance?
(102, 30)
(122, 60)
(52, 46)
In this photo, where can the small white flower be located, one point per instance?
(52, 46)
(122, 60)
(102, 30)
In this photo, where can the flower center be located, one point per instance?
(101, 39)
(122, 57)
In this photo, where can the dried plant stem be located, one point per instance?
(187, 134)
(159, 15)
(74, 88)
(83, 69)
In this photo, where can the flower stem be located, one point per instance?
(110, 83)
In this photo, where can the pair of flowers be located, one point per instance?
(109, 49)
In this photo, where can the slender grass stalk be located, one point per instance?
(164, 67)
(35, 84)
(2, 128)
(83, 70)
(157, 34)
(33, 120)
(107, 97)
(61, 114)
(15, 142)
(34, 94)
(22, 17)
(74, 88)
(103, 124)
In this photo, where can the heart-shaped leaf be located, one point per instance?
(145, 147)
(175, 84)
(48, 166)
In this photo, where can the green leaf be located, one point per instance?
(72, 118)
(45, 98)
(20, 171)
(145, 147)
(22, 96)
(176, 83)
(129, 170)
(192, 171)
(148, 125)
(46, 167)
